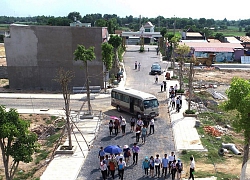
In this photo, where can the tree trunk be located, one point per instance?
(246, 151)
(68, 122)
(180, 74)
(87, 85)
(5, 160)
(190, 85)
(105, 79)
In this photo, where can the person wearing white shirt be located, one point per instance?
(171, 158)
(157, 165)
(152, 126)
(192, 167)
(104, 168)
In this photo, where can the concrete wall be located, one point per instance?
(34, 53)
(3, 72)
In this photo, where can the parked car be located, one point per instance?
(155, 69)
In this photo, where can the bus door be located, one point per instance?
(131, 104)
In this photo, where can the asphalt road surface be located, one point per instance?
(158, 143)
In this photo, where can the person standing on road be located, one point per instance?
(156, 78)
(123, 126)
(145, 165)
(116, 126)
(151, 166)
(111, 125)
(192, 167)
(139, 66)
(157, 165)
(161, 86)
(121, 167)
(135, 64)
(101, 154)
(152, 126)
(103, 168)
(143, 134)
(179, 166)
(132, 124)
(171, 158)
(135, 150)
(164, 164)
(112, 166)
(137, 133)
(127, 154)
(173, 169)
(180, 97)
(106, 160)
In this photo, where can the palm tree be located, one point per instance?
(85, 55)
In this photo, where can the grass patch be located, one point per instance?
(52, 139)
(43, 154)
(219, 175)
(25, 175)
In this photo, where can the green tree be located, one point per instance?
(182, 51)
(115, 41)
(85, 55)
(73, 16)
(101, 23)
(239, 99)
(107, 58)
(219, 36)
(16, 141)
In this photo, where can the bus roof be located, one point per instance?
(134, 93)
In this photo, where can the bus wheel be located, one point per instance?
(118, 108)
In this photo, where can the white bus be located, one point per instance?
(135, 102)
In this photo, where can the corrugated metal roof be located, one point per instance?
(232, 40)
(193, 34)
(245, 38)
(213, 41)
(198, 40)
(214, 49)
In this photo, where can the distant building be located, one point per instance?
(146, 31)
(192, 36)
(34, 53)
(80, 24)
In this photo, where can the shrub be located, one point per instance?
(180, 91)
(190, 111)
(141, 49)
(174, 77)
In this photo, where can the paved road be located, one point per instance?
(159, 143)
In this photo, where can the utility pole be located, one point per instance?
(190, 81)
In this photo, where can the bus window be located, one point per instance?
(113, 94)
(136, 103)
(150, 103)
(126, 98)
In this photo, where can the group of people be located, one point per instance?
(137, 66)
(168, 164)
(152, 167)
(175, 101)
(138, 126)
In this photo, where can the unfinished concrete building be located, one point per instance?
(34, 54)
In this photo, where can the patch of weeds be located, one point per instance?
(61, 123)
(30, 115)
(219, 175)
(43, 154)
(52, 139)
(185, 155)
(53, 118)
(49, 121)
(25, 175)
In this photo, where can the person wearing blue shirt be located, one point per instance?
(145, 165)
(101, 154)
(164, 165)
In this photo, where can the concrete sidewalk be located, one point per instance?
(185, 134)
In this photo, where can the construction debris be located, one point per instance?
(212, 131)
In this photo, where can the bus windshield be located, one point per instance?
(150, 103)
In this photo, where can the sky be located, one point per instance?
(216, 9)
